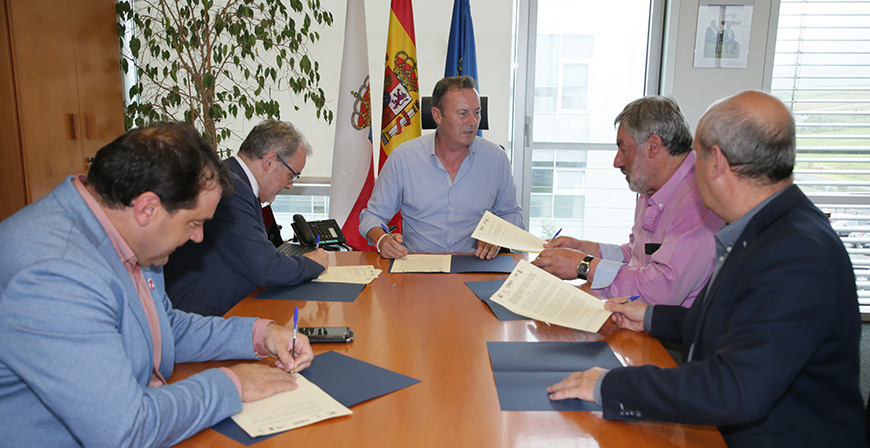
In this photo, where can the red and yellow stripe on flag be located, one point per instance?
(401, 114)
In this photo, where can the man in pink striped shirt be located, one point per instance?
(670, 252)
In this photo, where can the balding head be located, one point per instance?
(755, 132)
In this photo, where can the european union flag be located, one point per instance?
(461, 54)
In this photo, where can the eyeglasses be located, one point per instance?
(295, 174)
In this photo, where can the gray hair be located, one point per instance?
(756, 144)
(657, 115)
(451, 83)
(273, 135)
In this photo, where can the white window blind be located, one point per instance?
(822, 72)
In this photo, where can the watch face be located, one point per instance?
(583, 268)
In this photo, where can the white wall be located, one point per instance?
(492, 29)
(696, 88)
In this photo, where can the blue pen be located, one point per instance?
(384, 226)
(557, 234)
(630, 299)
(295, 330)
(317, 242)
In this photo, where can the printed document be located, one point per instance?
(494, 230)
(532, 292)
(289, 410)
(421, 263)
(361, 275)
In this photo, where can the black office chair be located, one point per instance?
(429, 123)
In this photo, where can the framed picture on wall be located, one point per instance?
(722, 36)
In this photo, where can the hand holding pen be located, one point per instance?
(628, 312)
(390, 245)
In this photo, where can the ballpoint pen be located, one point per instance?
(317, 242)
(295, 330)
(557, 234)
(384, 226)
(630, 299)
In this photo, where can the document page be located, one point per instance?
(494, 230)
(361, 275)
(532, 292)
(421, 263)
(289, 410)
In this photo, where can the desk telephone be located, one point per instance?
(307, 232)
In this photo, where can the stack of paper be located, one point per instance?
(494, 230)
(289, 410)
(360, 275)
(532, 292)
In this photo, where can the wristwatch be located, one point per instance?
(583, 267)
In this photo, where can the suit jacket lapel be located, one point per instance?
(236, 168)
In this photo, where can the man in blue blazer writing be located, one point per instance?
(87, 332)
(771, 343)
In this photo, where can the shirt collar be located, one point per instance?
(728, 234)
(253, 180)
(121, 247)
(432, 146)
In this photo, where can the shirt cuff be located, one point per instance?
(647, 318)
(596, 392)
(259, 337)
(233, 377)
(611, 252)
(605, 272)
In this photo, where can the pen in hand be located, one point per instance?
(557, 234)
(384, 226)
(630, 299)
(317, 243)
(295, 330)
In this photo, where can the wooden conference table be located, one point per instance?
(433, 328)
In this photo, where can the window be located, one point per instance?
(822, 72)
(589, 60)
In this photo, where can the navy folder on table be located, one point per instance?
(524, 370)
(348, 380)
(315, 292)
(484, 290)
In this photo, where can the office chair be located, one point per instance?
(428, 122)
(273, 230)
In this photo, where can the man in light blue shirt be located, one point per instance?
(443, 182)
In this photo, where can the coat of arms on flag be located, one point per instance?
(400, 80)
(361, 117)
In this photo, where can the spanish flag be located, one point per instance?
(401, 113)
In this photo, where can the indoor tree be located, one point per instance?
(202, 61)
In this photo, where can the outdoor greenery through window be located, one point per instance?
(822, 72)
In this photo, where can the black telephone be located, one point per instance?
(307, 232)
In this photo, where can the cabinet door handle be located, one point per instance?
(90, 126)
(76, 126)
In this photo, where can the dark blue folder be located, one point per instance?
(484, 290)
(348, 380)
(315, 292)
(524, 370)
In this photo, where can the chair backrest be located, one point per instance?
(273, 230)
(429, 123)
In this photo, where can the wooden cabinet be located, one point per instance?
(61, 88)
